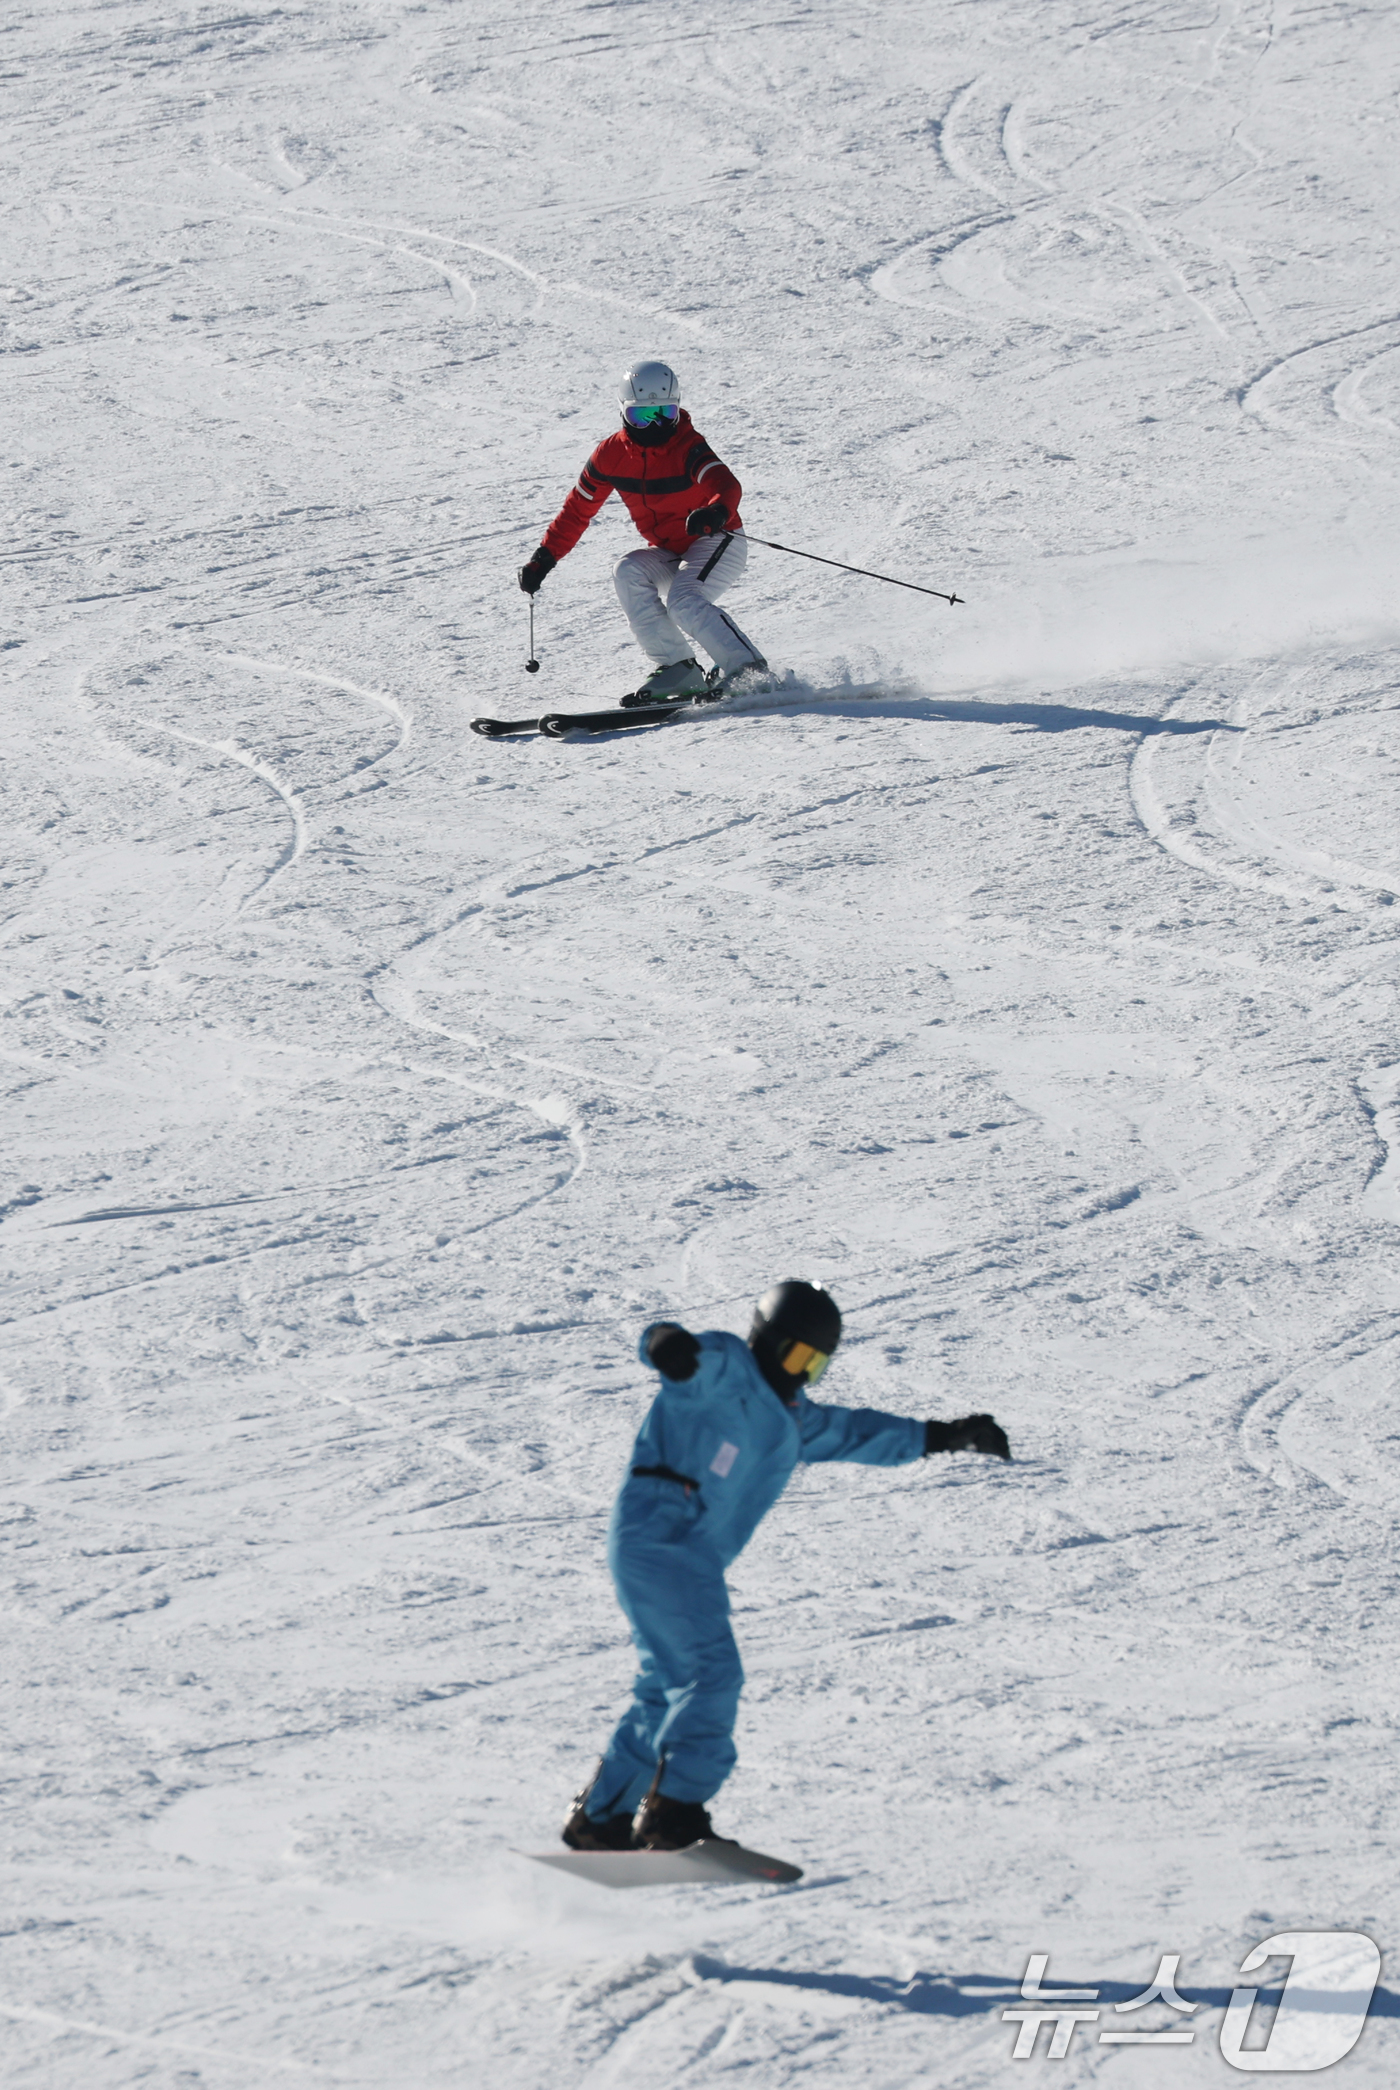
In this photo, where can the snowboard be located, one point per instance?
(557, 724)
(711, 1862)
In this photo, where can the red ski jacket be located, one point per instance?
(660, 484)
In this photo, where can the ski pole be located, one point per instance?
(532, 666)
(918, 590)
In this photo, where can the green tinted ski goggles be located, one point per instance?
(648, 416)
(803, 1362)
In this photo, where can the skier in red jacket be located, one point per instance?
(686, 505)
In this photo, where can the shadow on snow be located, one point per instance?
(972, 1995)
(1039, 718)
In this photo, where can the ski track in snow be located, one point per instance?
(159, 2043)
(1331, 370)
(1381, 1096)
(1326, 1420)
(267, 775)
(542, 285)
(399, 713)
(1206, 820)
(1027, 971)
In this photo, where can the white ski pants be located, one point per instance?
(669, 601)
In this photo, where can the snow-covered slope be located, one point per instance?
(368, 1085)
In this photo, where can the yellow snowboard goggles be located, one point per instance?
(804, 1362)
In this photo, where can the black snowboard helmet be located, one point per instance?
(796, 1327)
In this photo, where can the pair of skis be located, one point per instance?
(621, 718)
(557, 725)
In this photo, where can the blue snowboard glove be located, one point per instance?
(972, 1433)
(673, 1351)
(707, 522)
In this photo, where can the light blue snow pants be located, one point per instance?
(670, 1583)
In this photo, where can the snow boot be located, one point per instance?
(748, 681)
(683, 678)
(586, 1832)
(663, 1824)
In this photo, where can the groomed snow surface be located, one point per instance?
(1028, 974)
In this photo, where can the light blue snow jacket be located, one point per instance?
(737, 1442)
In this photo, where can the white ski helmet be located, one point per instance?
(650, 398)
(649, 383)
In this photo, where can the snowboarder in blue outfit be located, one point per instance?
(717, 1449)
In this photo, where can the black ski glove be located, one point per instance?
(707, 522)
(532, 573)
(972, 1433)
(673, 1351)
